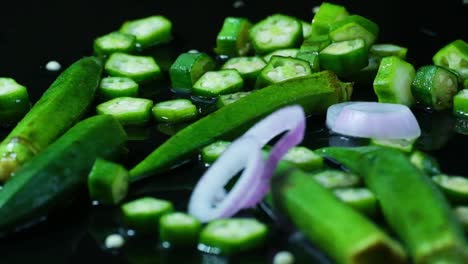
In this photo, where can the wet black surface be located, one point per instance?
(33, 33)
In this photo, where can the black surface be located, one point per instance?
(34, 32)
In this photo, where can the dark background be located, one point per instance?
(35, 32)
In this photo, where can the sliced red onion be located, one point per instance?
(376, 120)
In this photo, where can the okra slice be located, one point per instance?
(400, 144)
(113, 87)
(454, 56)
(143, 214)
(282, 52)
(226, 99)
(138, 68)
(344, 57)
(248, 67)
(392, 84)
(114, 42)
(460, 103)
(435, 86)
(326, 15)
(234, 235)
(215, 83)
(280, 69)
(149, 31)
(304, 158)
(333, 179)
(425, 162)
(312, 58)
(212, 152)
(306, 29)
(188, 68)
(175, 111)
(353, 27)
(387, 49)
(233, 39)
(108, 182)
(461, 212)
(454, 187)
(14, 101)
(179, 230)
(276, 32)
(128, 110)
(361, 199)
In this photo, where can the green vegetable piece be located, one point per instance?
(226, 99)
(405, 145)
(454, 187)
(215, 83)
(312, 58)
(326, 15)
(113, 87)
(280, 69)
(387, 49)
(143, 214)
(432, 237)
(54, 177)
(461, 212)
(333, 179)
(392, 84)
(282, 52)
(366, 75)
(315, 93)
(276, 32)
(233, 39)
(460, 103)
(306, 29)
(344, 57)
(188, 68)
(213, 151)
(354, 27)
(175, 111)
(179, 230)
(248, 67)
(341, 232)
(454, 55)
(304, 158)
(234, 235)
(128, 110)
(434, 87)
(14, 101)
(74, 88)
(310, 49)
(108, 182)
(360, 199)
(425, 162)
(114, 42)
(149, 31)
(138, 68)
(465, 83)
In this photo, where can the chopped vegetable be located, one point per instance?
(144, 213)
(434, 87)
(113, 87)
(405, 145)
(460, 103)
(454, 187)
(233, 39)
(425, 162)
(213, 151)
(56, 175)
(248, 67)
(215, 83)
(175, 111)
(14, 101)
(188, 68)
(306, 29)
(454, 55)
(326, 15)
(344, 57)
(149, 31)
(334, 179)
(276, 32)
(226, 99)
(461, 212)
(108, 182)
(392, 84)
(361, 199)
(304, 158)
(74, 88)
(230, 236)
(128, 110)
(328, 223)
(138, 68)
(387, 49)
(114, 42)
(354, 27)
(179, 229)
(282, 52)
(280, 69)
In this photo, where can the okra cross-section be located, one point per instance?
(333, 179)
(360, 199)
(175, 111)
(108, 182)
(460, 103)
(215, 83)
(282, 52)
(326, 15)
(179, 230)
(233, 39)
(144, 213)
(149, 31)
(113, 87)
(114, 42)
(138, 68)
(344, 57)
(128, 110)
(248, 67)
(304, 158)
(280, 69)
(188, 68)
(454, 56)
(276, 32)
(213, 151)
(14, 101)
(227, 99)
(353, 27)
(455, 188)
(386, 49)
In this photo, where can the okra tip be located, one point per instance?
(378, 248)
